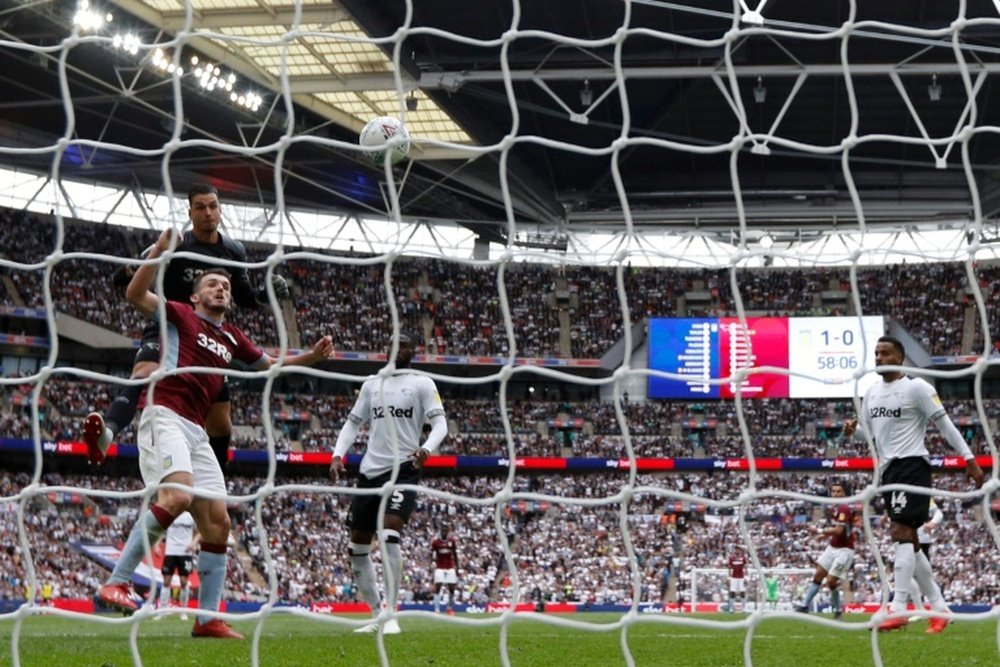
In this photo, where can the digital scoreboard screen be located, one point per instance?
(700, 349)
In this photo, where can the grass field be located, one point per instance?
(473, 640)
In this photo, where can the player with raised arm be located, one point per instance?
(737, 578)
(395, 408)
(895, 413)
(204, 238)
(445, 552)
(173, 444)
(180, 543)
(834, 564)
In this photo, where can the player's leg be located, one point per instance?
(212, 519)
(99, 431)
(906, 511)
(219, 426)
(162, 427)
(185, 592)
(924, 575)
(823, 564)
(451, 598)
(167, 571)
(362, 519)
(150, 527)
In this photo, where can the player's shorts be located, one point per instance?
(737, 585)
(445, 576)
(169, 443)
(910, 509)
(364, 509)
(837, 561)
(149, 350)
(183, 565)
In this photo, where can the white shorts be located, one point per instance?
(169, 443)
(445, 576)
(737, 585)
(837, 561)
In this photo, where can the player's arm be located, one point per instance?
(321, 351)
(947, 429)
(138, 292)
(245, 295)
(193, 544)
(349, 432)
(833, 530)
(439, 423)
(935, 520)
(439, 431)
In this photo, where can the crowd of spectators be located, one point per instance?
(564, 533)
(787, 428)
(457, 307)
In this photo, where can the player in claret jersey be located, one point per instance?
(834, 564)
(445, 568)
(895, 413)
(173, 444)
(179, 276)
(737, 578)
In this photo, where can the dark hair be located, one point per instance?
(201, 189)
(407, 338)
(209, 272)
(896, 344)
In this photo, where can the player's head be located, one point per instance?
(445, 530)
(889, 351)
(837, 490)
(407, 347)
(203, 208)
(212, 292)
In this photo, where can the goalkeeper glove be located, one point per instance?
(281, 289)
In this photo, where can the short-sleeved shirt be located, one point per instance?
(737, 565)
(896, 415)
(179, 535)
(195, 340)
(444, 553)
(407, 400)
(843, 515)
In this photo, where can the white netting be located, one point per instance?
(712, 585)
(617, 250)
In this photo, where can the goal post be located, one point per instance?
(710, 585)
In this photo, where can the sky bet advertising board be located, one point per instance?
(829, 350)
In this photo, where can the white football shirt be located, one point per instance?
(179, 535)
(896, 415)
(408, 400)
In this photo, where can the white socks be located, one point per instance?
(904, 566)
(364, 575)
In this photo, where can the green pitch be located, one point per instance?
(474, 640)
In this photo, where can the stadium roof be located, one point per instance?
(639, 102)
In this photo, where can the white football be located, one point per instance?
(385, 136)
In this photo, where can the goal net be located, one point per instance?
(710, 589)
(543, 304)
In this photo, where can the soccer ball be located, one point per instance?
(376, 135)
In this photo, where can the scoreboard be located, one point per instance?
(821, 353)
